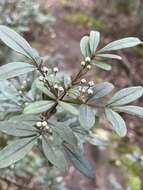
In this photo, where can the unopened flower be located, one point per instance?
(24, 82)
(45, 69)
(91, 83)
(90, 91)
(39, 124)
(56, 86)
(20, 92)
(83, 63)
(87, 59)
(83, 81)
(61, 89)
(41, 78)
(88, 67)
(44, 123)
(83, 90)
(55, 69)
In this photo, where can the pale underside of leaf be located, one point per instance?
(117, 123)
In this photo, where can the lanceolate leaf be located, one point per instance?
(116, 121)
(15, 69)
(110, 56)
(16, 42)
(80, 163)
(86, 116)
(16, 151)
(84, 46)
(40, 86)
(102, 65)
(68, 107)
(38, 107)
(126, 96)
(133, 110)
(65, 133)
(54, 154)
(121, 44)
(16, 128)
(94, 39)
(100, 90)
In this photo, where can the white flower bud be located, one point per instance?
(61, 89)
(88, 67)
(83, 63)
(26, 103)
(87, 59)
(24, 82)
(20, 92)
(83, 81)
(22, 87)
(44, 123)
(51, 138)
(45, 69)
(59, 179)
(55, 69)
(83, 90)
(91, 83)
(39, 124)
(41, 78)
(90, 91)
(56, 86)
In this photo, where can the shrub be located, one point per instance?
(56, 111)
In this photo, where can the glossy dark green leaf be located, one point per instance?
(86, 116)
(85, 47)
(133, 110)
(16, 42)
(54, 154)
(117, 123)
(16, 151)
(126, 96)
(121, 44)
(38, 107)
(109, 56)
(81, 163)
(69, 108)
(94, 40)
(15, 69)
(102, 65)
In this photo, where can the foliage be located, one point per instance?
(57, 112)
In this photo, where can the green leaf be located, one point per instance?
(126, 96)
(116, 121)
(38, 107)
(16, 151)
(65, 132)
(101, 90)
(96, 140)
(94, 40)
(69, 108)
(133, 110)
(17, 43)
(16, 128)
(45, 90)
(81, 164)
(121, 44)
(15, 69)
(110, 56)
(86, 116)
(102, 65)
(54, 154)
(84, 46)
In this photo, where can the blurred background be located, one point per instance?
(55, 27)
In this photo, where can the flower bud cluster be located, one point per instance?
(86, 63)
(87, 88)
